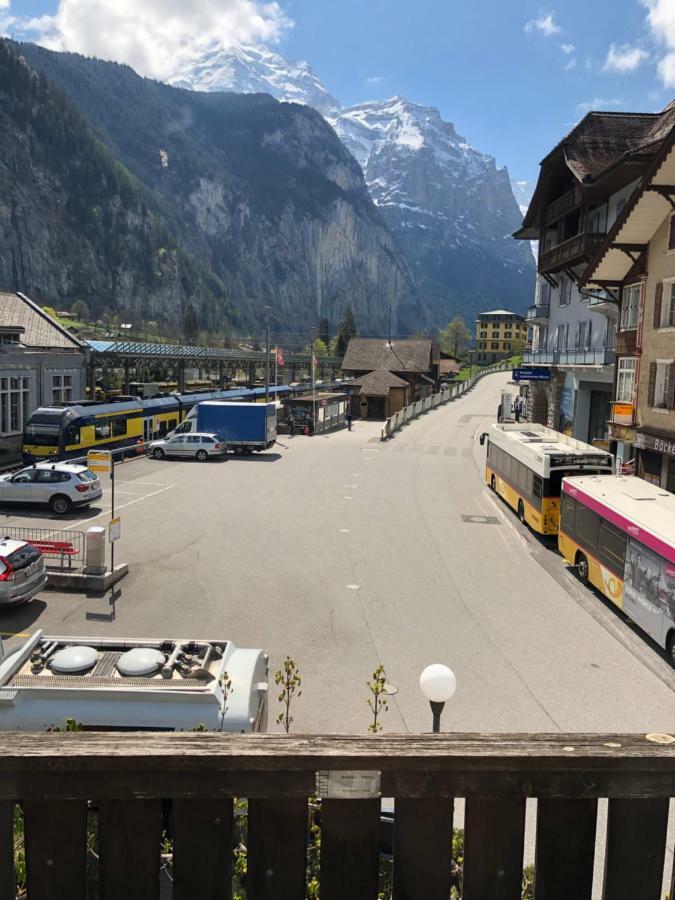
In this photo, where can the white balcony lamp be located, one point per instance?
(438, 684)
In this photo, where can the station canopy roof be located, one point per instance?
(141, 349)
(650, 203)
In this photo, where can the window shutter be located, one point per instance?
(651, 390)
(670, 387)
(658, 299)
(671, 234)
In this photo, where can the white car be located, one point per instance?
(60, 486)
(22, 572)
(199, 446)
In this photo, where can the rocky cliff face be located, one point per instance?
(448, 205)
(260, 197)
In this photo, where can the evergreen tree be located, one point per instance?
(324, 332)
(346, 331)
(190, 324)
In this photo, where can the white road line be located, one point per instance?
(151, 483)
(76, 525)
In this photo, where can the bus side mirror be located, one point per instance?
(482, 438)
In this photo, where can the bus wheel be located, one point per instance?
(670, 648)
(493, 482)
(521, 511)
(582, 567)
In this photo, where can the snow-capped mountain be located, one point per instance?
(450, 207)
(522, 191)
(256, 69)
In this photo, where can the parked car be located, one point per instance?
(61, 486)
(200, 446)
(22, 572)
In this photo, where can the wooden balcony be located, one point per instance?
(127, 776)
(560, 207)
(572, 252)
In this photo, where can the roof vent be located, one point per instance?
(140, 661)
(74, 660)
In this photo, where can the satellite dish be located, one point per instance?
(140, 661)
(72, 660)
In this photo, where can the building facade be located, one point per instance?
(40, 364)
(584, 185)
(632, 277)
(499, 334)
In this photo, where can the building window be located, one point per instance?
(494, 345)
(659, 383)
(562, 332)
(508, 335)
(665, 317)
(544, 293)
(481, 345)
(583, 335)
(565, 292)
(14, 394)
(10, 338)
(495, 334)
(62, 388)
(625, 379)
(507, 346)
(483, 334)
(630, 307)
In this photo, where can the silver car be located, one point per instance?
(61, 486)
(198, 446)
(22, 572)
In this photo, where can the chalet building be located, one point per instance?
(387, 375)
(585, 183)
(40, 363)
(499, 334)
(631, 279)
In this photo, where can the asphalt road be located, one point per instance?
(345, 552)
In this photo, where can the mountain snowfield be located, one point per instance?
(450, 207)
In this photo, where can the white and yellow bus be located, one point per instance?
(619, 533)
(526, 463)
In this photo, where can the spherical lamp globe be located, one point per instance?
(438, 683)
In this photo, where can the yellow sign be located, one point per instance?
(115, 529)
(99, 461)
(623, 409)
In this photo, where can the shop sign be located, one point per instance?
(661, 445)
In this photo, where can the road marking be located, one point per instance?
(347, 498)
(345, 531)
(76, 525)
(353, 587)
(151, 483)
(23, 634)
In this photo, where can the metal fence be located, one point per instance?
(393, 423)
(62, 549)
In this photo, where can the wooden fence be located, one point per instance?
(128, 775)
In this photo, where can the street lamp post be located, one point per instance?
(438, 684)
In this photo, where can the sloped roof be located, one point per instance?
(378, 383)
(449, 366)
(368, 354)
(39, 329)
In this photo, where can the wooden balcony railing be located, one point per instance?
(560, 207)
(575, 250)
(127, 776)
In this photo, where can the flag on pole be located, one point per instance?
(279, 357)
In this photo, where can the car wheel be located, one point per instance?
(582, 568)
(670, 648)
(521, 511)
(60, 505)
(201, 455)
(158, 453)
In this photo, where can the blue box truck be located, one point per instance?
(244, 427)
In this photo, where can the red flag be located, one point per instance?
(280, 357)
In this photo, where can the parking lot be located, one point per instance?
(345, 552)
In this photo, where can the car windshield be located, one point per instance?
(86, 476)
(23, 557)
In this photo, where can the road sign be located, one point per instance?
(115, 529)
(533, 373)
(99, 461)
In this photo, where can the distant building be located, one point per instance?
(499, 334)
(389, 375)
(631, 280)
(40, 363)
(584, 184)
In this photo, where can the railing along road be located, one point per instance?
(413, 410)
(125, 778)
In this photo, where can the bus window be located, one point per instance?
(73, 434)
(537, 485)
(587, 525)
(101, 429)
(119, 426)
(612, 545)
(567, 510)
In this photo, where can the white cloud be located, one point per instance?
(624, 58)
(545, 24)
(375, 79)
(156, 37)
(567, 48)
(572, 64)
(661, 19)
(4, 4)
(598, 103)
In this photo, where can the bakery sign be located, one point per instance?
(649, 442)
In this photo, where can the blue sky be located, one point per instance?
(512, 75)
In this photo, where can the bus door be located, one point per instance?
(649, 590)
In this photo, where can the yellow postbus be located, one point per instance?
(619, 534)
(526, 463)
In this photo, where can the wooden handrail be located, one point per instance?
(127, 775)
